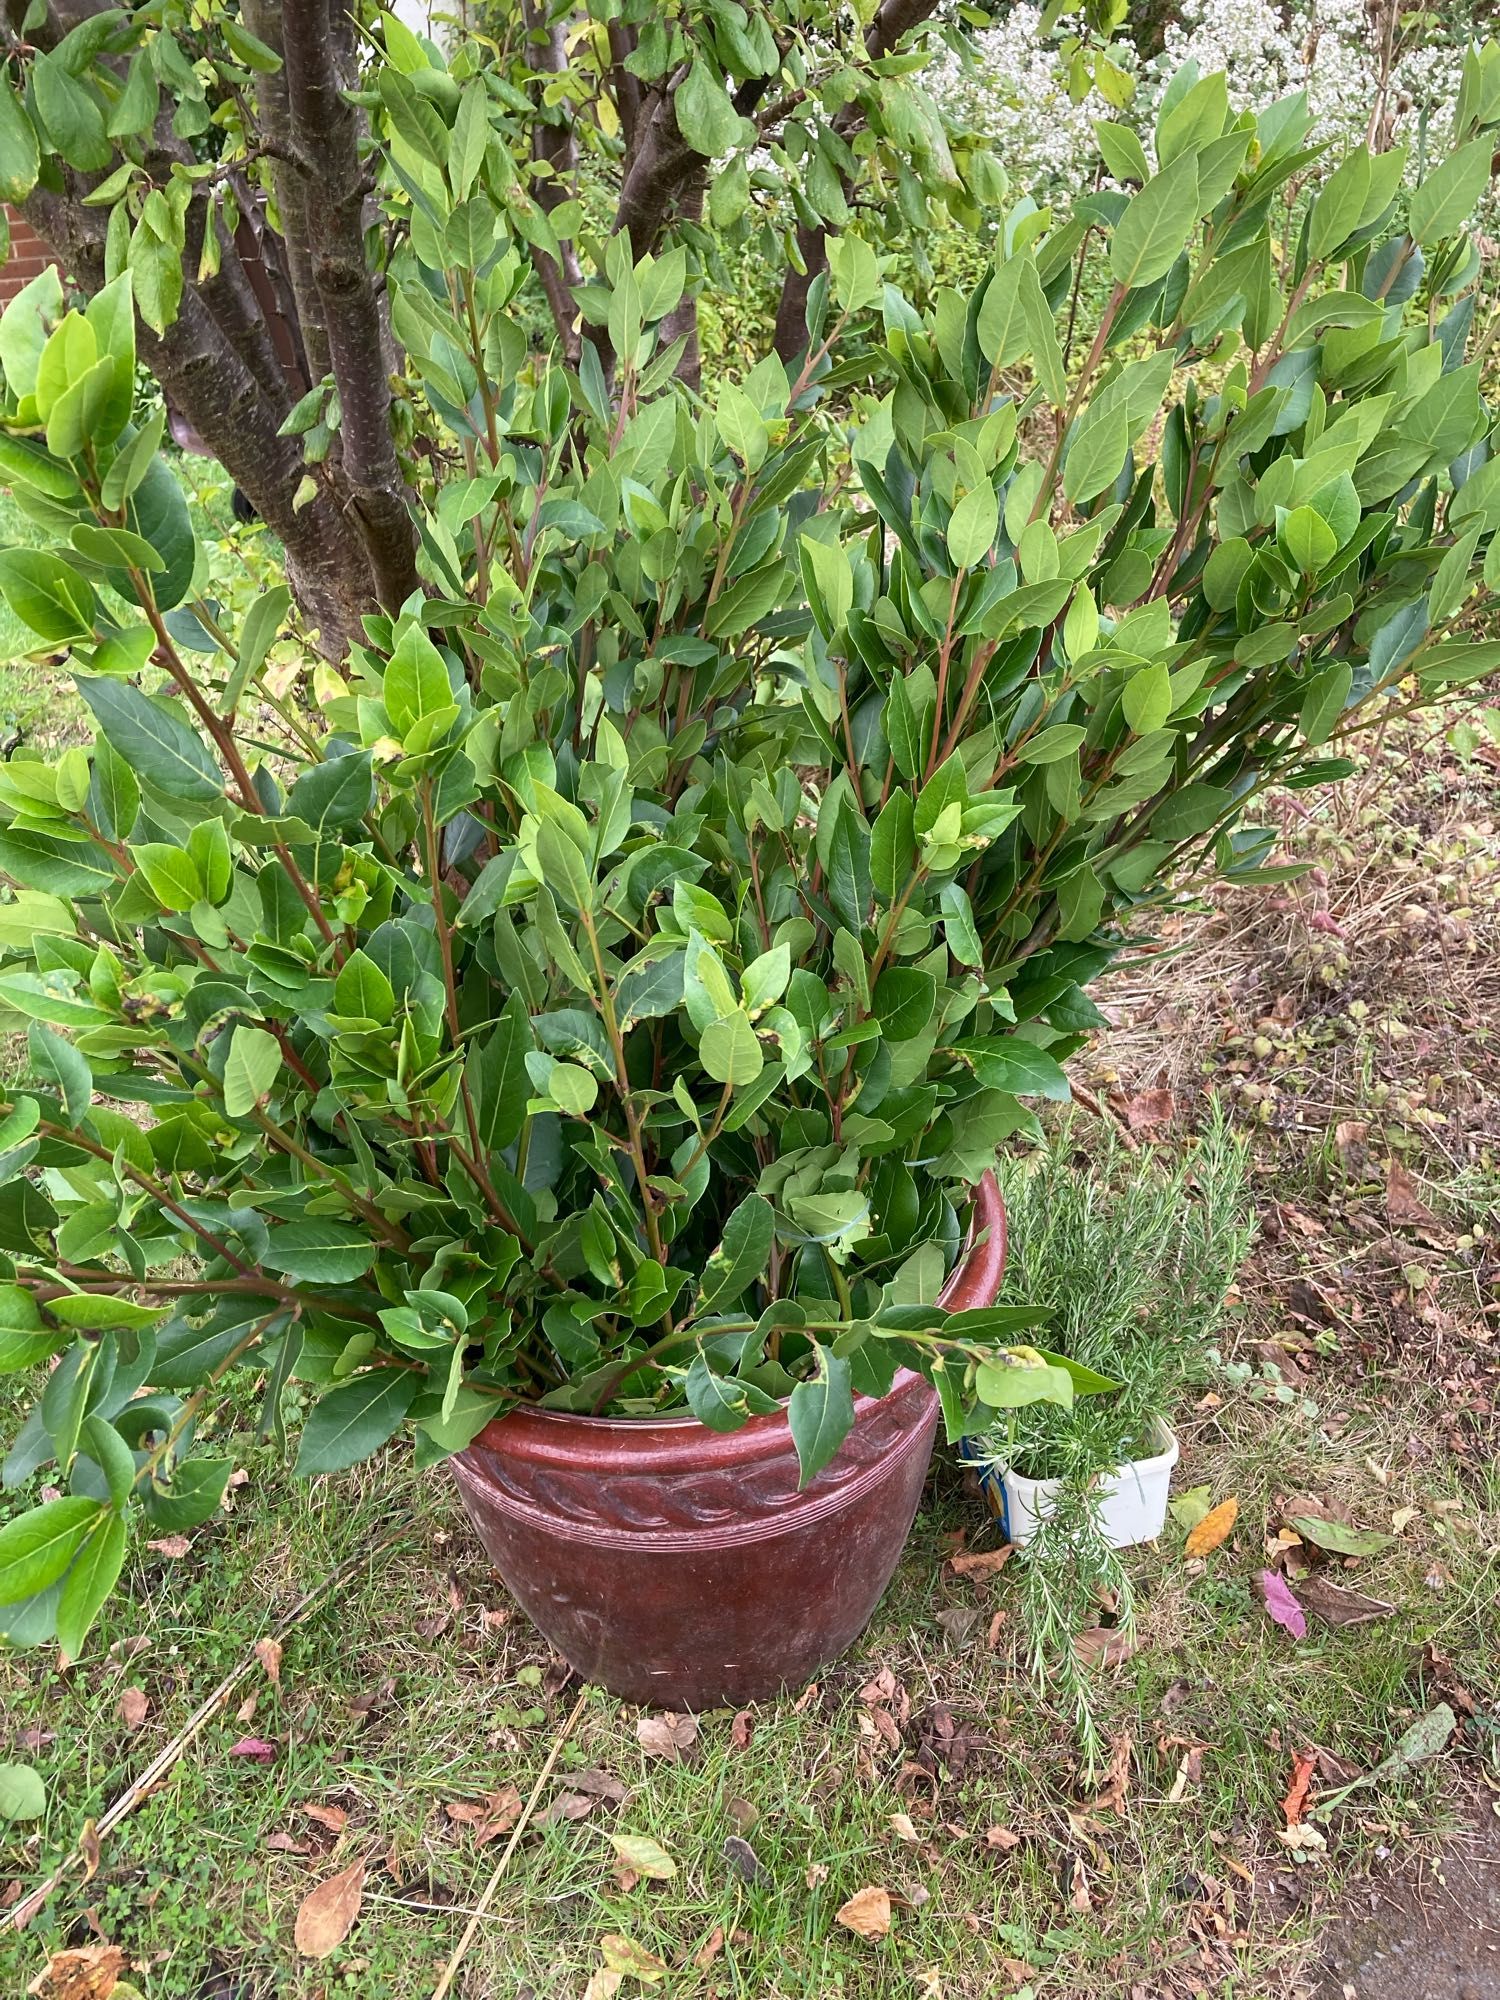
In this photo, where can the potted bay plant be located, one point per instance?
(569, 1015)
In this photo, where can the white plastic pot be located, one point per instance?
(1131, 1500)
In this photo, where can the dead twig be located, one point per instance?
(451, 1968)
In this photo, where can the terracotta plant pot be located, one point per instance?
(680, 1566)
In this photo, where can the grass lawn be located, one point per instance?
(1353, 1021)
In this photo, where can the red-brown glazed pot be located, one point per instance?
(680, 1566)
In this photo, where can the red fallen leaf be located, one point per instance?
(1280, 1604)
(1304, 1764)
(255, 1747)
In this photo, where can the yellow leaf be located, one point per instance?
(623, 1954)
(1213, 1528)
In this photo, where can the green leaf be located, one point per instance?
(20, 155)
(100, 1312)
(47, 594)
(22, 1793)
(1337, 1536)
(416, 681)
(354, 1420)
(1324, 702)
(1014, 1385)
(496, 1072)
(1337, 211)
(1007, 1062)
(90, 1580)
(1192, 810)
(170, 874)
(972, 528)
(71, 114)
(705, 116)
(1124, 155)
(59, 867)
(153, 739)
(58, 1063)
(37, 1547)
(316, 1252)
(1097, 444)
(893, 847)
(1147, 698)
(251, 1068)
(1308, 540)
(564, 869)
(904, 1001)
(1153, 232)
(362, 991)
(729, 1050)
(821, 1413)
(723, 1402)
(741, 1257)
(1443, 201)
(192, 1498)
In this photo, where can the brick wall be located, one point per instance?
(29, 257)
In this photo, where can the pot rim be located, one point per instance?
(979, 1270)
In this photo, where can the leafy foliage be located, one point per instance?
(604, 991)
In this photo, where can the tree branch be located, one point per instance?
(325, 136)
(554, 147)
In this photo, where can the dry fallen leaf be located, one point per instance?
(489, 1817)
(1281, 1604)
(1151, 1107)
(710, 1951)
(91, 1973)
(268, 1652)
(1304, 1764)
(1079, 1899)
(985, 1563)
(666, 1735)
(1404, 1207)
(623, 1954)
(327, 1913)
(644, 1855)
(1103, 1646)
(742, 1729)
(135, 1706)
(1111, 1794)
(603, 1984)
(335, 1818)
(904, 1828)
(258, 1748)
(1337, 1606)
(171, 1545)
(1213, 1528)
(1000, 1839)
(867, 1913)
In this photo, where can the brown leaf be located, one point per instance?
(171, 1545)
(743, 1859)
(1111, 1794)
(287, 1843)
(1349, 1140)
(1103, 1646)
(985, 1563)
(1213, 1528)
(742, 1729)
(91, 1973)
(1404, 1207)
(1000, 1839)
(268, 1652)
(603, 1984)
(566, 1806)
(705, 1957)
(327, 1913)
(334, 1818)
(816, 1874)
(957, 1624)
(666, 1735)
(245, 1713)
(881, 1689)
(135, 1706)
(1151, 1107)
(1337, 1606)
(1304, 1764)
(867, 1913)
(88, 1847)
(598, 1784)
(490, 1817)
(1079, 1899)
